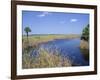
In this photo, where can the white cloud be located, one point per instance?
(73, 20)
(43, 14)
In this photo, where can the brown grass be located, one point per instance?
(84, 47)
(45, 60)
(84, 44)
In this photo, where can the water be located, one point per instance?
(67, 48)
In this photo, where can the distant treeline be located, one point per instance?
(51, 34)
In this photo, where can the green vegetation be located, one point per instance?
(45, 59)
(85, 38)
(85, 33)
(84, 45)
(27, 30)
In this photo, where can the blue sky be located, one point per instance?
(54, 22)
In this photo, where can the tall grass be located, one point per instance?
(45, 60)
(84, 47)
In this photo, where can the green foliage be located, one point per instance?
(84, 45)
(27, 29)
(85, 33)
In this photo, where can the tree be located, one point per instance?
(85, 33)
(27, 30)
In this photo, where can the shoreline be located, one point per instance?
(35, 40)
(84, 47)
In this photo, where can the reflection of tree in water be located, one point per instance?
(85, 54)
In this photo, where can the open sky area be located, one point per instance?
(54, 22)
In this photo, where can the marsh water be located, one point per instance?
(67, 48)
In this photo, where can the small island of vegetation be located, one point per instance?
(84, 45)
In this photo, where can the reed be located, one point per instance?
(45, 60)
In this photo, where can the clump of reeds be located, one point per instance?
(45, 60)
(84, 47)
(84, 44)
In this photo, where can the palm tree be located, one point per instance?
(27, 30)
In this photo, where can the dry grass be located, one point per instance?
(35, 40)
(45, 60)
(84, 47)
(84, 44)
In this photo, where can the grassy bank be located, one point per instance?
(34, 40)
(84, 44)
(84, 47)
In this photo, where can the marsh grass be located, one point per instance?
(34, 40)
(84, 47)
(45, 60)
(84, 44)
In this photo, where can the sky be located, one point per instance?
(41, 22)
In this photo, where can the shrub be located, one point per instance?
(85, 33)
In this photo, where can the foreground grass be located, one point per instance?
(44, 60)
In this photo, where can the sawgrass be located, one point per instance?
(45, 60)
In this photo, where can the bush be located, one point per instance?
(85, 33)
